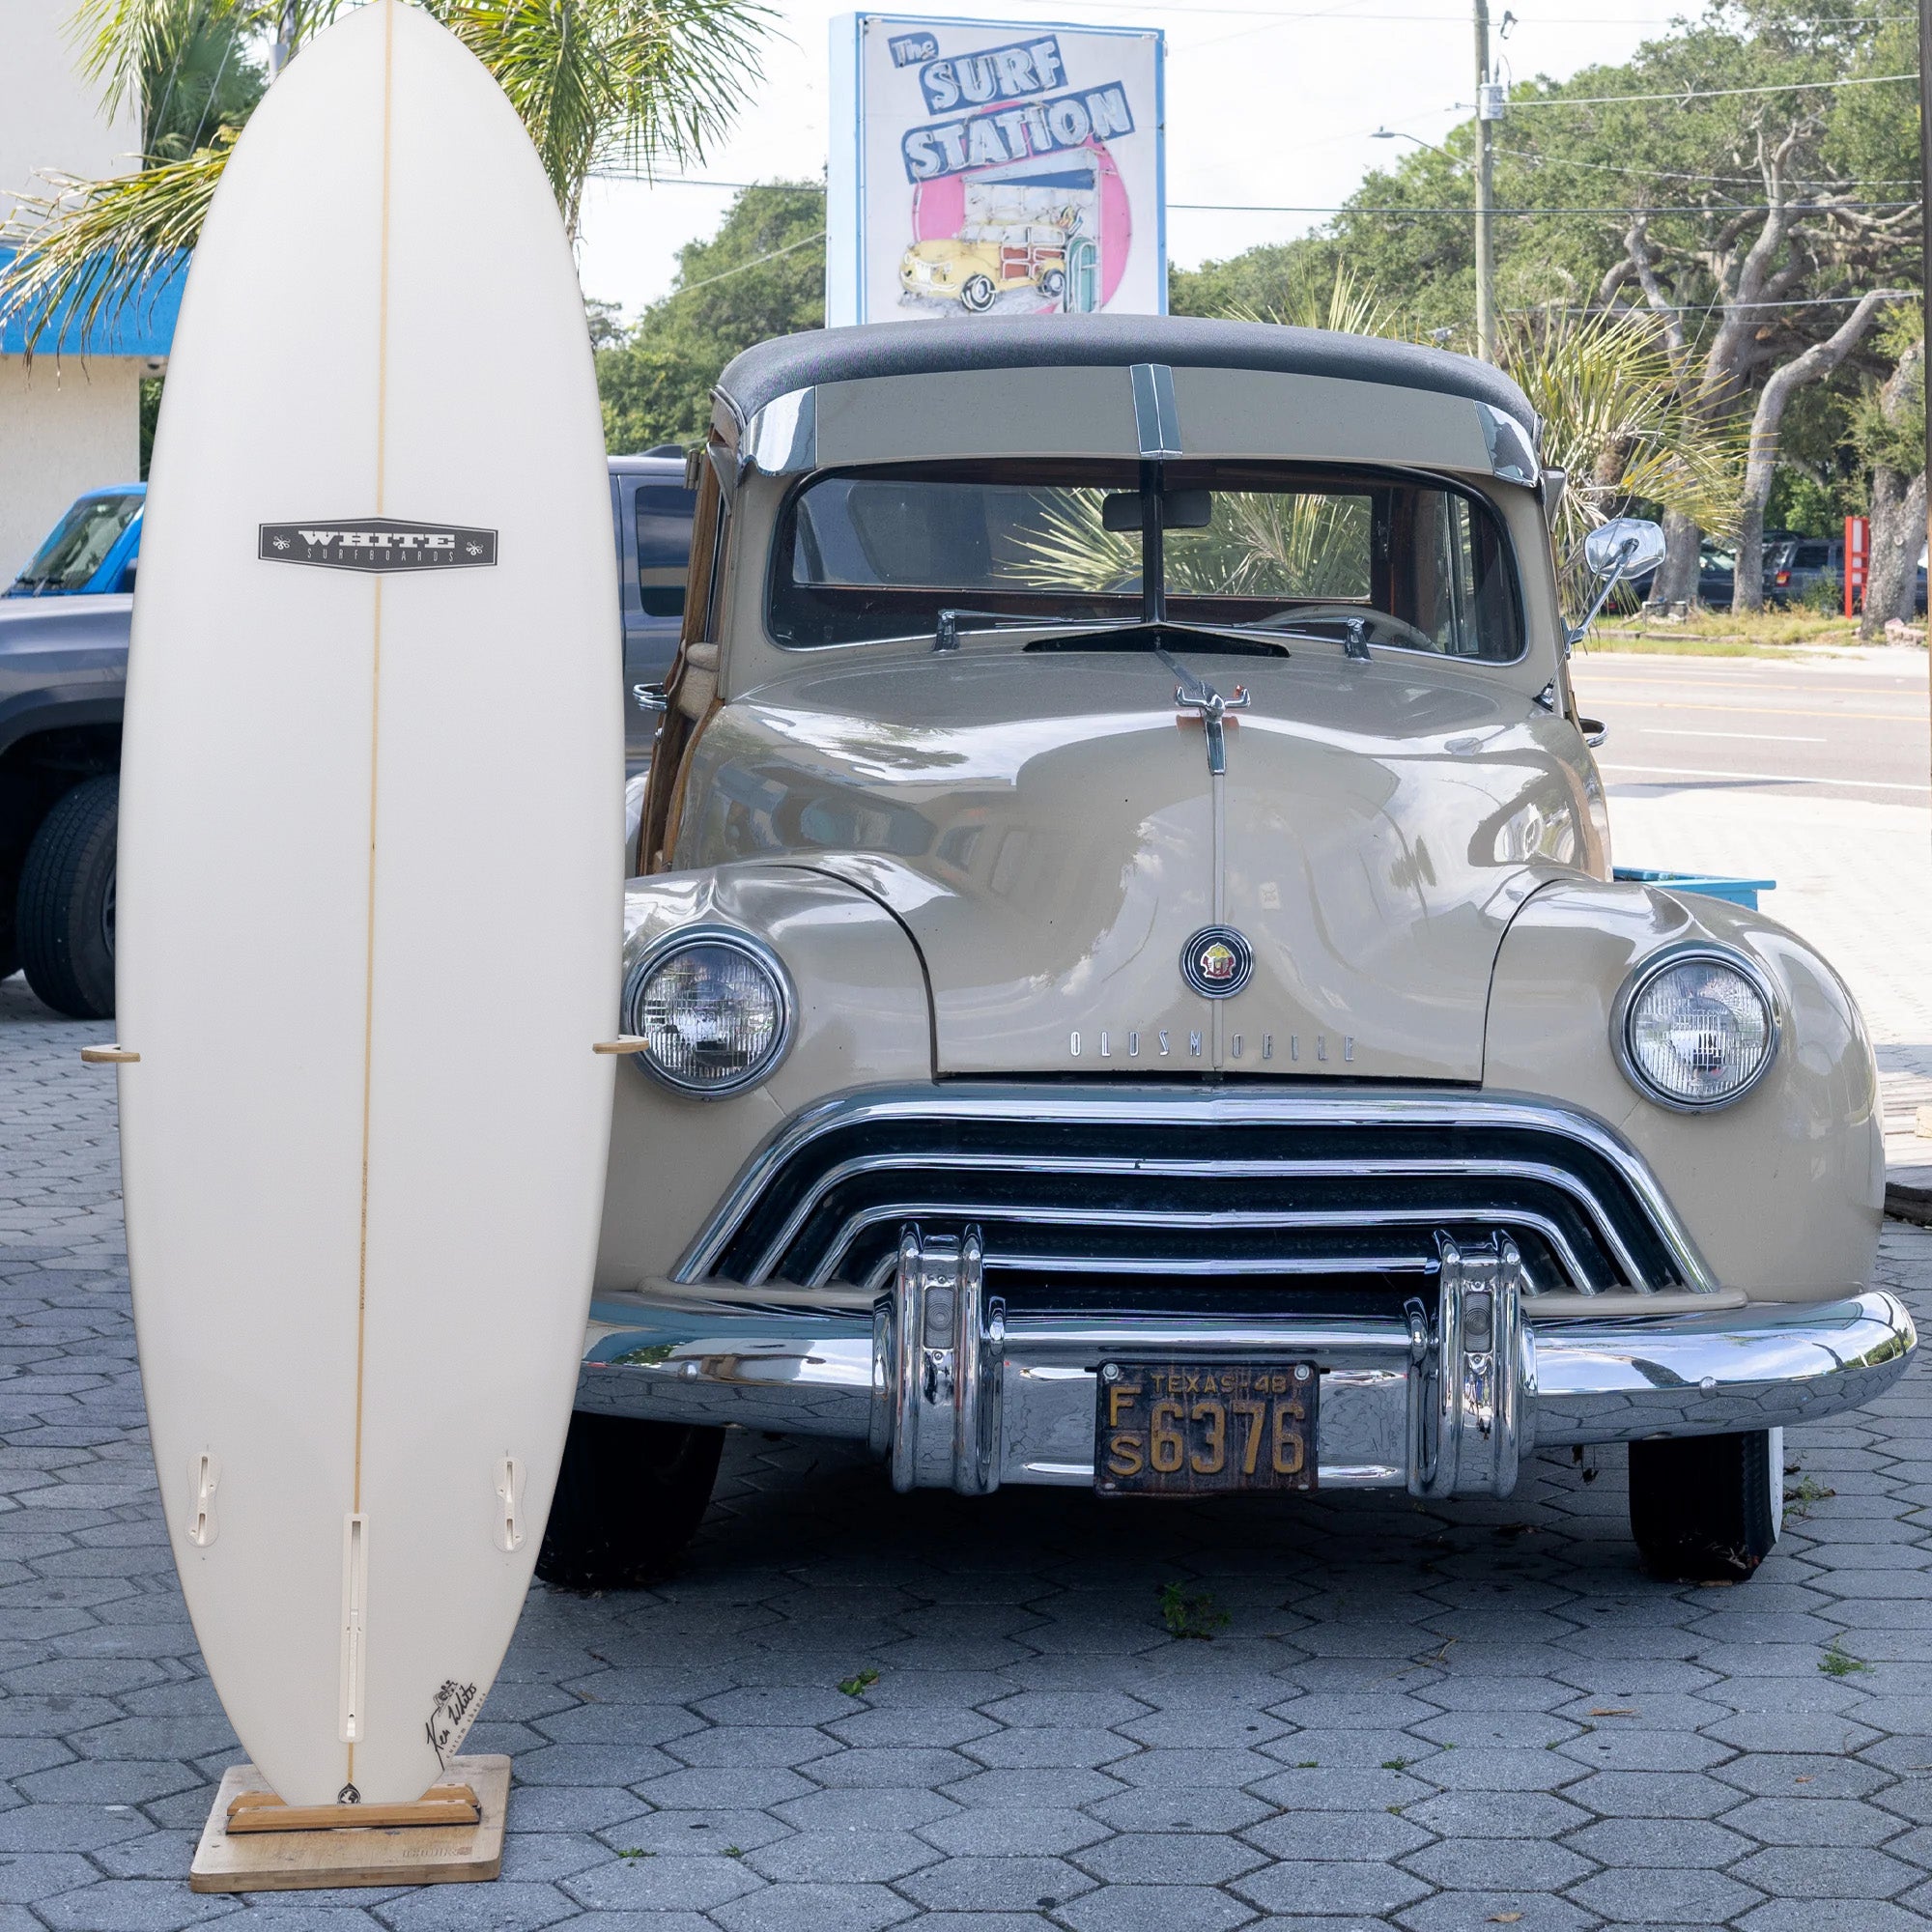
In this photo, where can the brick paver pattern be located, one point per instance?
(1432, 1717)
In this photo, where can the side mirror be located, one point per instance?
(1615, 553)
(1624, 548)
(128, 574)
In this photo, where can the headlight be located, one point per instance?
(715, 1008)
(1696, 1029)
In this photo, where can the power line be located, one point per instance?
(1711, 207)
(1690, 308)
(1706, 93)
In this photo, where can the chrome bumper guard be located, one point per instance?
(953, 1392)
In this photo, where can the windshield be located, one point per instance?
(79, 543)
(880, 553)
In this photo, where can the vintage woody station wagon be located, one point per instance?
(1127, 982)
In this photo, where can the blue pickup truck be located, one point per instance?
(64, 627)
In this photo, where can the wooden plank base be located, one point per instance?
(439, 1804)
(358, 1853)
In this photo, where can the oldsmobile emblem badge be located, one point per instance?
(1217, 962)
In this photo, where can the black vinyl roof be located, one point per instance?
(775, 368)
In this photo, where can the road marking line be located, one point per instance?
(1817, 714)
(1749, 737)
(1762, 778)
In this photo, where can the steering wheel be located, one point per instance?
(1344, 613)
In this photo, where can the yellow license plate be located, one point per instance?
(1189, 1428)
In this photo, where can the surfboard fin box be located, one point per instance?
(355, 1603)
(204, 1478)
(510, 1499)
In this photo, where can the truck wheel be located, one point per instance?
(1707, 1509)
(1053, 283)
(630, 1495)
(64, 917)
(977, 294)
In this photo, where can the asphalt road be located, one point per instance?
(1851, 727)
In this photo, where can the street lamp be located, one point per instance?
(1486, 268)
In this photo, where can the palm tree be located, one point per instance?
(1618, 425)
(624, 83)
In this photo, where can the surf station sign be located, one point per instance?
(994, 167)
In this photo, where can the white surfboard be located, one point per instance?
(370, 891)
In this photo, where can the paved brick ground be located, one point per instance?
(1432, 1718)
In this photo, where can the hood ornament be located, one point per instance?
(1195, 694)
(1217, 962)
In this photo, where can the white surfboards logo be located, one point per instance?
(378, 543)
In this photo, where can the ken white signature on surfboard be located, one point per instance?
(449, 1718)
(378, 543)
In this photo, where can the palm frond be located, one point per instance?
(1260, 544)
(1618, 422)
(92, 249)
(1350, 304)
(626, 83)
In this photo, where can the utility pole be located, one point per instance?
(1488, 109)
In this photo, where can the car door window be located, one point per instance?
(664, 548)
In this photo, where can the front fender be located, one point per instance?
(1783, 1191)
(862, 1016)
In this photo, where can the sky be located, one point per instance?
(1274, 104)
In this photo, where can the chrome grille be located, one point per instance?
(1228, 1185)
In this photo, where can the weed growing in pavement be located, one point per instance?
(1191, 1614)
(1838, 1661)
(859, 1683)
(1809, 1490)
(637, 1852)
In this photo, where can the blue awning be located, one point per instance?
(138, 323)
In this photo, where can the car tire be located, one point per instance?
(63, 915)
(977, 294)
(1053, 283)
(630, 1495)
(1707, 1509)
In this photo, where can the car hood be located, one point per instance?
(1046, 828)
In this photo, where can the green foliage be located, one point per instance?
(1617, 424)
(1837, 1662)
(614, 83)
(762, 274)
(151, 414)
(597, 83)
(1191, 1614)
(859, 1683)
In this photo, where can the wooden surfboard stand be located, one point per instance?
(255, 1842)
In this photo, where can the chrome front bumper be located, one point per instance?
(953, 1392)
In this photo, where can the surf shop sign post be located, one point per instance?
(994, 167)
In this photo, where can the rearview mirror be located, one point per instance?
(1179, 510)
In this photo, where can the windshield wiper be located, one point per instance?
(1108, 634)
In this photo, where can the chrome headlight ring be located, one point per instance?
(1644, 977)
(664, 952)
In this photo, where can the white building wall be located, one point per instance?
(62, 431)
(69, 428)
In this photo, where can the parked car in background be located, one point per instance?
(1796, 568)
(64, 629)
(1126, 988)
(91, 550)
